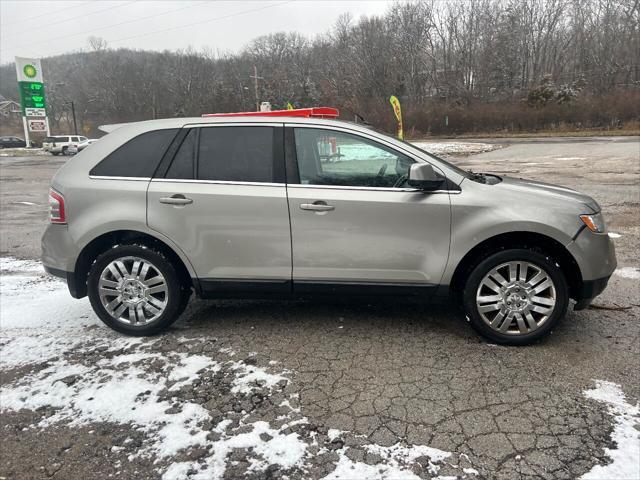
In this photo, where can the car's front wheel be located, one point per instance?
(136, 290)
(515, 296)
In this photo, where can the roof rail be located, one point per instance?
(313, 112)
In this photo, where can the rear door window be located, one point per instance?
(139, 157)
(237, 154)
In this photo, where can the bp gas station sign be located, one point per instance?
(32, 97)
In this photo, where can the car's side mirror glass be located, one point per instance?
(424, 177)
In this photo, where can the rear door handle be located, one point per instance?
(177, 199)
(318, 206)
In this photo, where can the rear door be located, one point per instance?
(356, 226)
(223, 200)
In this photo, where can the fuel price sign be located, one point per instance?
(32, 95)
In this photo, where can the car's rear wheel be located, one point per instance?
(515, 296)
(136, 290)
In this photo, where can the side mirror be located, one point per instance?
(424, 177)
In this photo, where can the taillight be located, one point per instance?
(56, 207)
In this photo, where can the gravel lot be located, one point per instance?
(336, 389)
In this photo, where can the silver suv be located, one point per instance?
(247, 207)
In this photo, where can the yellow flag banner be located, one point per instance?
(395, 103)
(289, 106)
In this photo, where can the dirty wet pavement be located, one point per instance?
(322, 389)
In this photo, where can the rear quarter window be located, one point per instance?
(139, 157)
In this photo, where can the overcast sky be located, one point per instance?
(44, 28)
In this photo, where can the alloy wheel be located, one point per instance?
(133, 291)
(516, 298)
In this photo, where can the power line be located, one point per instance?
(72, 18)
(122, 39)
(200, 22)
(52, 13)
(106, 27)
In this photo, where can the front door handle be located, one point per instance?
(318, 206)
(177, 199)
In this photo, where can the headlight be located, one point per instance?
(594, 222)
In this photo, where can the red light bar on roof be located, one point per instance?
(315, 112)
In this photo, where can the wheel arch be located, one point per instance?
(529, 240)
(108, 240)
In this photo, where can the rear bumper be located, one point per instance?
(590, 289)
(68, 277)
(59, 254)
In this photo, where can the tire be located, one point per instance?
(517, 312)
(55, 153)
(64, 151)
(154, 307)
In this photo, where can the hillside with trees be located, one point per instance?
(458, 67)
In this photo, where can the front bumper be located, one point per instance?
(596, 258)
(595, 255)
(590, 289)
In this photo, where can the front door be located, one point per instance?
(355, 225)
(223, 202)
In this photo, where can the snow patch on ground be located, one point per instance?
(22, 152)
(114, 390)
(366, 152)
(614, 235)
(12, 265)
(625, 457)
(138, 387)
(452, 148)
(334, 434)
(52, 307)
(248, 377)
(399, 453)
(270, 444)
(19, 351)
(628, 272)
(187, 372)
(347, 469)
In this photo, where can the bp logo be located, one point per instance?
(30, 71)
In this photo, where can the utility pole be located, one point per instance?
(73, 114)
(255, 85)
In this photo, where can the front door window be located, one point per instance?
(327, 157)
